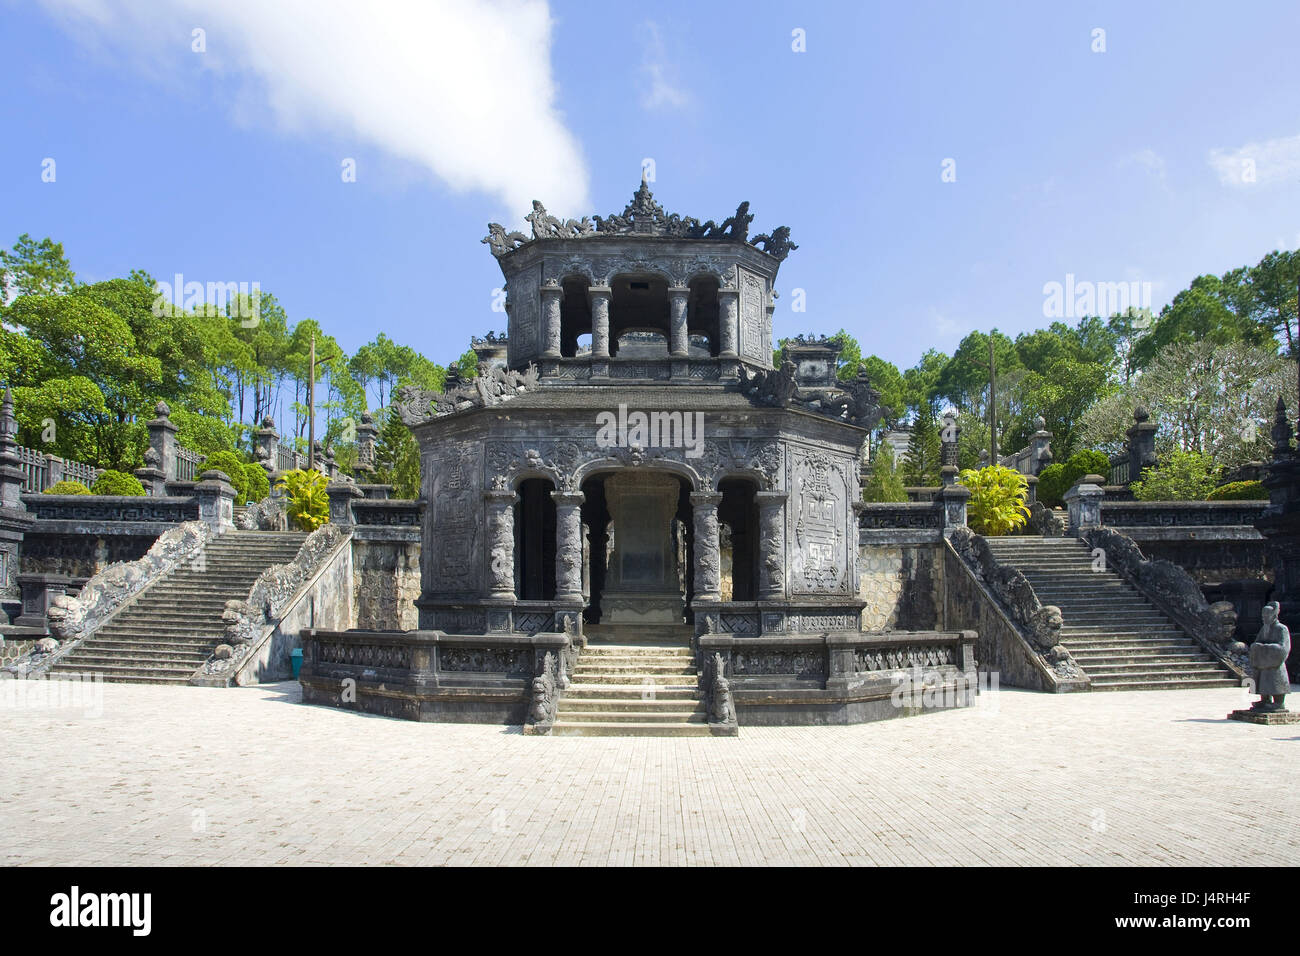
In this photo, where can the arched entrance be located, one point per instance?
(640, 547)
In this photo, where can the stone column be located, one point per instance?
(568, 546)
(708, 560)
(1041, 440)
(341, 495)
(551, 296)
(728, 322)
(1084, 504)
(1141, 444)
(216, 500)
(679, 342)
(954, 499)
(771, 544)
(599, 296)
(54, 469)
(266, 446)
(367, 435)
(151, 476)
(162, 439)
(500, 505)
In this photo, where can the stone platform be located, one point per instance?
(1268, 718)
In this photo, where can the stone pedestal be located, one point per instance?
(642, 584)
(341, 495)
(1266, 717)
(1084, 504)
(216, 500)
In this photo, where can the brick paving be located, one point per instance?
(179, 775)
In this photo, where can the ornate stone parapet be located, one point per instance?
(500, 505)
(568, 546)
(954, 498)
(1083, 501)
(771, 532)
(708, 558)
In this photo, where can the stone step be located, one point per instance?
(1119, 630)
(168, 661)
(630, 692)
(143, 645)
(1108, 685)
(631, 717)
(119, 678)
(590, 670)
(635, 651)
(143, 672)
(1170, 670)
(619, 729)
(657, 680)
(1120, 655)
(635, 704)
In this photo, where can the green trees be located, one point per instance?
(884, 484)
(232, 466)
(398, 456)
(921, 465)
(1180, 476)
(1058, 478)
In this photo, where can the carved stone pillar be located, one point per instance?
(771, 544)
(708, 560)
(551, 296)
(162, 439)
(568, 546)
(1083, 502)
(599, 297)
(677, 299)
(728, 319)
(500, 506)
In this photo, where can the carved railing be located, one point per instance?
(1119, 469)
(188, 464)
(910, 515)
(252, 621)
(742, 678)
(1176, 514)
(505, 677)
(1174, 592)
(73, 619)
(1036, 625)
(398, 512)
(40, 470)
(127, 508)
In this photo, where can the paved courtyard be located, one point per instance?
(250, 776)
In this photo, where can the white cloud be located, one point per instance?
(463, 88)
(1272, 161)
(1149, 160)
(659, 74)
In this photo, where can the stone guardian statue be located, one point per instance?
(1268, 656)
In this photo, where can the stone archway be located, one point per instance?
(644, 579)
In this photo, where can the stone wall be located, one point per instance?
(84, 555)
(902, 584)
(386, 582)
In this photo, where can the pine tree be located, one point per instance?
(398, 456)
(884, 484)
(921, 465)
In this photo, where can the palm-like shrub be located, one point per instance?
(997, 499)
(112, 482)
(309, 504)
(66, 487)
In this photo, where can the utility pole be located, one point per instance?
(311, 402)
(992, 368)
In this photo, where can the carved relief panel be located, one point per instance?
(453, 528)
(754, 342)
(821, 488)
(525, 315)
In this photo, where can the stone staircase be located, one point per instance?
(172, 626)
(1120, 639)
(632, 690)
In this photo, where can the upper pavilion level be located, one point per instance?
(641, 295)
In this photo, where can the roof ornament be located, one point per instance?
(640, 217)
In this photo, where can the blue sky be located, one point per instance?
(225, 164)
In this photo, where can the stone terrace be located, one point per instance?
(250, 776)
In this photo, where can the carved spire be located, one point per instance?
(1281, 431)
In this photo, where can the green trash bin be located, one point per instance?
(297, 663)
